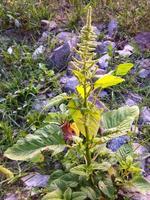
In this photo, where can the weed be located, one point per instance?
(79, 131)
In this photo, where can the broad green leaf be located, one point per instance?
(68, 194)
(49, 138)
(92, 118)
(62, 180)
(139, 184)
(89, 192)
(107, 188)
(120, 119)
(79, 196)
(80, 90)
(54, 195)
(101, 166)
(123, 69)
(56, 101)
(107, 80)
(80, 170)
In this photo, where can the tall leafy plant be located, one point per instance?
(79, 132)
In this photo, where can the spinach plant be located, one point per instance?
(78, 133)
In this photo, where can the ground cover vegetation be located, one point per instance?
(67, 135)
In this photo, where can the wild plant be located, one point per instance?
(77, 134)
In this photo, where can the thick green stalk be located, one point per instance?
(88, 155)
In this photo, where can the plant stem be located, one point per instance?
(88, 155)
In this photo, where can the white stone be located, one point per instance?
(40, 50)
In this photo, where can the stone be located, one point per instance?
(144, 73)
(112, 28)
(116, 143)
(104, 61)
(145, 115)
(145, 63)
(127, 51)
(133, 99)
(43, 39)
(65, 36)
(10, 50)
(48, 25)
(11, 196)
(130, 102)
(40, 50)
(60, 57)
(96, 30)
(39, 103)
(69, 83)
(35, 180)
(140, 151)
(143, 40)
(134, 195)
(103, 94)
(102, 47)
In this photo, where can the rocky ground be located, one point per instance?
(112, 49)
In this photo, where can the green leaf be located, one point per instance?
(49, 138)
(123, 69)
(62, 180)
(89, 192)
(107, 188)
(56, 101)
(54, 195)
(120, 119)
(139, 184)
(93, 116)
(68, 194)
(101, 166)
(80, 170)
(79, 196)
(79, 76)
(107, 80)
(80, 90)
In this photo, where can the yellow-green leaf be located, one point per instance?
(79, 75)
(92, 119)
(123, 69)
(107, 80)
(80, 90)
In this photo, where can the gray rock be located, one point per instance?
(48, 25)
(11, 196)
(43, 39)
(116, 143)
(145, 115)
(133, 99)
(143, 40)
(134, 195)
(103, 94)
(96, 30)
(69, 83)
(35, 180)
(102, 47)
(60, 57)
(145, 63)
(141, 151)
(40, 50)
(39, 103)
(112, 27)
(104, 61)
(66, 36)
(127, 51)
(144, 73)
